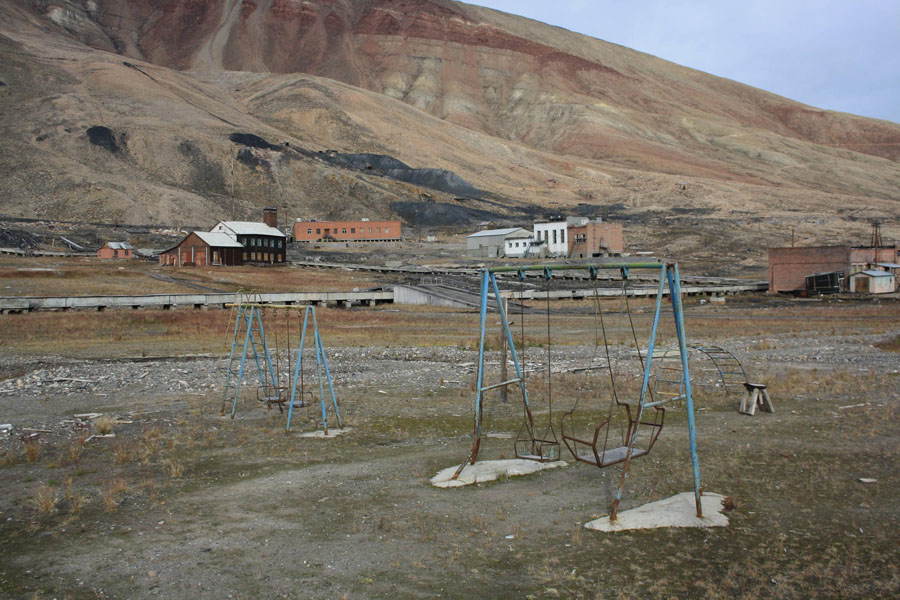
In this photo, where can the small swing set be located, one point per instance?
(250, 348)
(594, 447)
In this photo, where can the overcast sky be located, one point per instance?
(836, 54)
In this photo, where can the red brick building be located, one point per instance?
(347, 231)
(595, 238)
(116, 250)
(789, 267)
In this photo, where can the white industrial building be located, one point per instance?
(520, 245)
(552, 237)
(493, 243)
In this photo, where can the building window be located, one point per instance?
(353, 230)
(308, 231)
(554, 236)
(562, 235)
(343, 230)
(318, 231)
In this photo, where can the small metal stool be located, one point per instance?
(757, 397)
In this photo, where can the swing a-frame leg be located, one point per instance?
(528, 445)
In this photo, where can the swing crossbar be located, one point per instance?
(499, 385)
(642, 265)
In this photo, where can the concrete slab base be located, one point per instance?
(491, 470)
(322, 435)
(677, 511)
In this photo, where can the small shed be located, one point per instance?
(116, 250)
(202, 248)
(873, 282)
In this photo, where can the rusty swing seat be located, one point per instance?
(272, 395)
(543, 448)
(595, 452)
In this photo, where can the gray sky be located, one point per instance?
(836, 54)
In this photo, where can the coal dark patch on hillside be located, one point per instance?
(380, 163)
(436, 179)
(253, 141)
(586, 209)
(106, 138)
(383, 165)
(247, 157)
(205, 176)
(684, 210)
(18, 238)
(442, 214)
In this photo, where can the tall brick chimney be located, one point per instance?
(270, 217)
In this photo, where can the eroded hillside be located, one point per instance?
(539, 119)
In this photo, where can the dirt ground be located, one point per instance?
(183, 503)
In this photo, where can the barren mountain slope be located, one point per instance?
(88, 136)
(532, 114)
(497, 73)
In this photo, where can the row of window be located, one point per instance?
(561, 232)
(264, 242)
(263, 257)
(344, 230)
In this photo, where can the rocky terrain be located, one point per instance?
(140, 112)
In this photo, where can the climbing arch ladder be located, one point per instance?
(545, 447)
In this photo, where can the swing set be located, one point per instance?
(278, 384)
(594, 447)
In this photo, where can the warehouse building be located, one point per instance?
(789, 267)
(363, 230)
(231, 243)
(492, 243)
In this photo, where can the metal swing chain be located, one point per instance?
(549, 360)
(637, 345)
(614, 397)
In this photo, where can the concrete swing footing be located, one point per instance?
(320, 434)
(491, 470)
(676, 511)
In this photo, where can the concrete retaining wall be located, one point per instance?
(198, 301)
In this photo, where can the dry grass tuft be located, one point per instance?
(122, 453)
(173, 468)
(33, 451)
(112, 494)
(891, 345)
(104, 425)
(74, 501)
(45, 500)
(76, 449)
